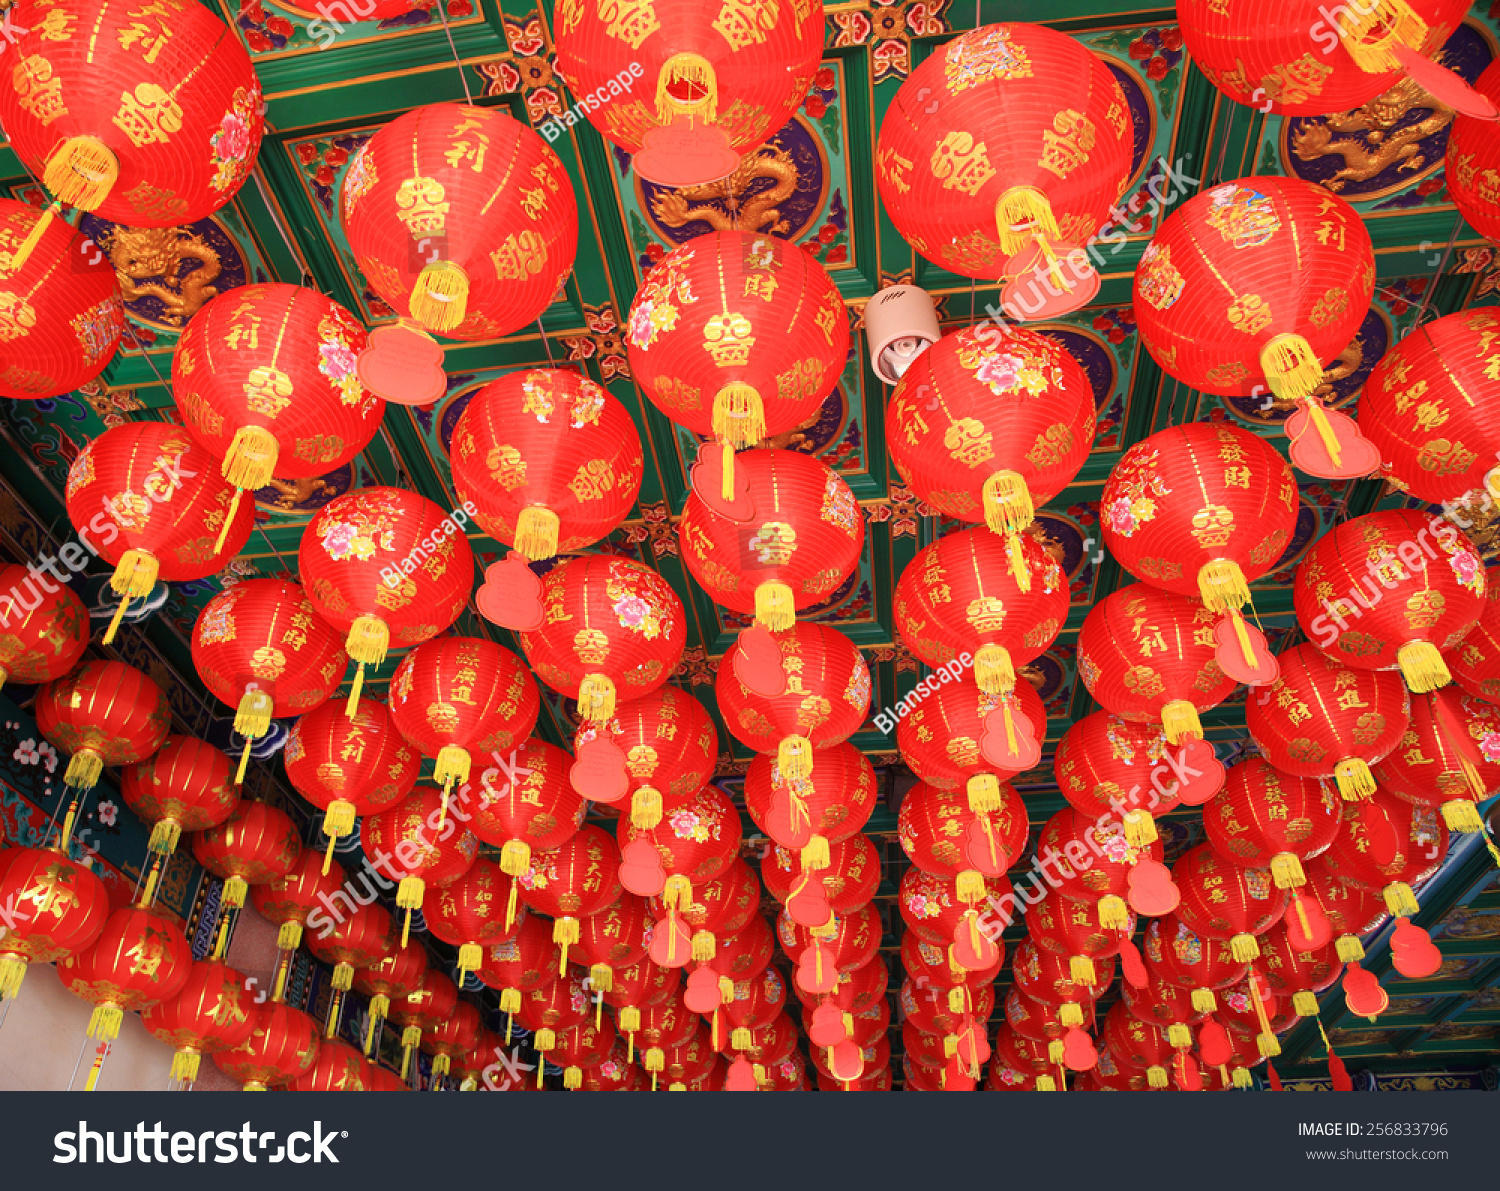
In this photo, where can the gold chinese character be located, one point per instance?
(961, 164)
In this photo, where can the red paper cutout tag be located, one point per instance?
(1358, 456)
(969, 957)
(1151, 890)
(686, 152)
(702, 993)
(1035, 293)
(511, 594)
(757, 662)
(1079, 1053)
(982, 849)
(973, 1047)
(956, 1077)
(598, 771)
(1199, 772)
(1382, 835)
(1413, 952)
(1214, 1044)
(641, 869)
(827, 1025)
(671, 942)
(847, 1062)
(1319, 931)
(403, 365)
(741, 1077)
(1362, 992)
(808, 904)
(784, 823)
(1185, 1068)
(809, 978)
(708, 485)
(1231, 654)
(1449, 89)
(994, 743)
(1132, 966)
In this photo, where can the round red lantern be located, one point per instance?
(260, 648)
(1227, 902)
(1010, 139)
(614, 629)
(847, 943)
(635, 988)
(1168, 1006)
(386, 566)
(849, 881)
(936, 965)
(832, 805)
(1388, 845)
(670, 744)
(1103, 760)
(946, 736)
(451, 1038)
(63, 317)
(466, 914)
(425, 1007)
(1472, 159)
(548, 460)
(737, 335)
(348, 766)
(552, 1009)
(935, 908)
(338, 1068)
(457, 696)
(1147, 654)
(1475, 661)
(1352, 910)
(1039, 1021)
(694, 843)
(760, 997)
(187, 785)
(1300, 975)
(1137, 1045)
(855, 992)
(140, 958)
(159, 130)
(416, 843)
(746, 952)
(211, 1012)
(988, 425)
(1392, 589)
(572, 881)
(616, 937)
(102, 713)
(583, 1048)
(266, 381)
(359, 939)
(1434, 765)
(526, 961)
(719, 907)
(255, 845)
(283, 1045)
(1093, 860)
(56, 907)
(826, 698)
(45, 640)
(1069, 928)
(1258, 280)
(802, 541)
(391, 979)
(291, 899)
(617, 1073)
(1266, 819)
(462, 217)
(933, 1011)
(1322, 719)
(1181, 957)
(151, 502)
(945, 836)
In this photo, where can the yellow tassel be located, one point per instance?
(815, 856)
(1268, 1045)
(654, 1059)
(1113, 913)
(1291, 368)
(12, 972)
(984, 793)
(1179, 718)
(739, 418)
(1008, 507)
(228, 524)
(741, 1038)
(572, 1078)
(1369, 35)
(705, 946)
(164, 836)
(185, 1066)
(1140, 828)
(470, 959)
(135, 575)
(368, 639)
(794, 758)
(1081, 969)
(1324, 428)
(696, 71)
(1203, 1000)
(1243, 1079)
(970, 887)
(726, 991)
(250, 462)
(114, 621)
(1242, 637)
(1462, 816)
(239, 774)
(34, 237)
(235, 889)
(1222, 585)
(677, 893)
(289, 936)
(596, 698)
(1156, 1077)
(1179, 1037)
(775, 607)
(515, 858)
(1305, 1003)
(602, 976)
(1286, 871)
(993, 670)
(1244, 948)
(451, 765)
(565, 935)
(440, 298)
(1349, 949)
(950, 1048)
(645, 808)
(105, 1022)
(1023, 216)
(1400, 900)
(958, 1001)
(630, 1019)
(1354, 779)
(351, 708)
(545, 1040)
(1055, 1052)
(537, 531)
(1472, 778)
(1045, 1083)
(1070, 1013)
(4, 674)
(1422, 666)
(252, 718)
(81, 173)
(510, 1000)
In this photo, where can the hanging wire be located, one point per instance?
(442, 11)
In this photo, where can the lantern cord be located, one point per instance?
(92, 1082)
(442, 12)
(546, 343)
(77, 1062)
(286, 238)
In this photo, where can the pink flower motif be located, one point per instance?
(1003, 371)
(1119, 517)
(232, 141)
(108, 813)
(1489, 745)
(338, 361)
(338, 540)
(640, 325)
(1466, 566)
(632, 611)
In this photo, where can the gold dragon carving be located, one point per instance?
(172, 264)
(758, 212)
(1384, 145)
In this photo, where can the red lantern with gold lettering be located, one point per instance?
(831, 805)
(935, 963)
(849, 881)
(552, 1008)
(57, 907)
(357, 940)
(1068, 928)
(947, 736)
(1440, 764)
(1138, 1045)
(935, 907)
(1298, 974)
(415, 842)
(616, 937)
(578, 878)
(1168, 1006)
(466, 914)
(187, 785)
(1323, 719)
(256, 845)
(1473, 160)
(451, 1038)
(211, 1012)
(1047, 977)
(140, 958)
(848, 943)
(1093, 860)
(1181, 957)
(1266, 819)
(1389, 846)
(549, 460)
(945, 836)
(1475, 661)
(463, 218)
(338, 1068)
(1103, 758)
(1352, 910)
(425, 1007)
(695, 842)
(1227, 902)
(290, 899)
(527, 960)
(670, 744)
(46, 640)
(391, 979)
(102, 713)
(582, 1048)
(855, 992)
(283, 1045)
(719, 907)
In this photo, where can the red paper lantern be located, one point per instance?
(932, 1011)
(256, 845)
(266, 381)
(1226, 901)
(1475, 661)
(849, 881)
(990, 424)
(614, 629)
(349, 766)
(847, 943)
(1134, 1044)
(572, 881)
(451, 1038)
(583, 1048)
(419, 844)
(1258, 280)
(1093, 859)
(552, 1009)
(151, 502)
(525, 805)
(855, 992)
(1266, 819)
(1434, 765)
(935, 907)
(1068, 928)
(103, 713)
(140, 959)
(466, 914)
(832, 805)
(936, 965)
(670, 744)
(63, 317)
(188, 785)
(1370, 609)
(1298, 59)
(211, 1012)
(1010, 137)
(746, 952)
(388, 567)
(826, 699)
(425, 1007)
(1473, 160)
(695, 842)
(944, 734)
(361, 939)
(1036, 1020)
(161, 129)
(943, 835)
(1147, 654)
(719, 907)
(615, 937)
(291, 899)
(548, 460)
(759, 998)
(56, 907)
(617, 1073)
(1352, 910)
(458, 696)
(1103, 760)
(1390, 846)
(45, 640)
(668, 1023)
(635, 988)
(1322, 719)
(519, 964)
(338, 1068)
(1168, 1006)
(802, 541)
(391, 979)
(737, 335)
(1181, 957)
(462, 217)
(261, 648)
(283, 1045)
(1301, 975)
